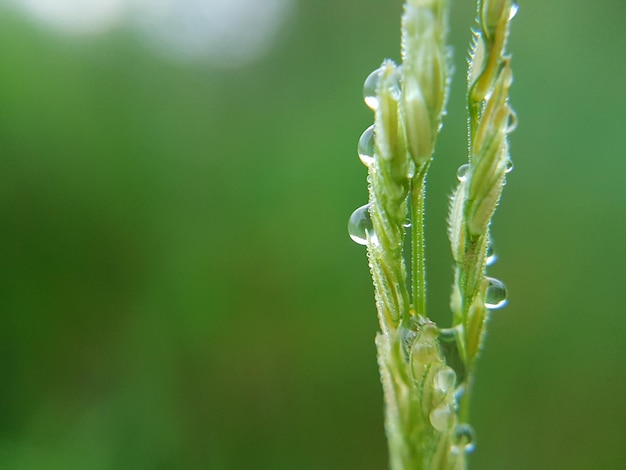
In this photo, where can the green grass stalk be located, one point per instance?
(427, 371)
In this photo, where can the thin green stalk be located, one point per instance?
(418, 195)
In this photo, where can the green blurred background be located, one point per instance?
(178, 287)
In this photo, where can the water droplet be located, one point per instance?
(423, 353)
(509, 166)
(445, 379)
(370, 87)
(495, 296)
(462, 174)
(465, 437)
(514, 10)
(407, 223)
(441, 418)
(428, 329)
(449, 335)
(408, 337)
(459, 392)
(360, 226)
(491, 255)
(511, 124)
(366, 146)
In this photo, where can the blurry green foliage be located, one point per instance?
(178, 288)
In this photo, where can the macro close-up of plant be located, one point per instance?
(178, 289)
(427, 370)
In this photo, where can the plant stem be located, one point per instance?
(422, 365)
(418, 240)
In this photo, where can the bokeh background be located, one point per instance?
(178, 289)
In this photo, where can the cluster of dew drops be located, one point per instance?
(464, 435)
(360, 226)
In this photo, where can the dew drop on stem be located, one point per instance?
(445, 379)
(511, 124)
(462, 174)
(369, 90)
(365, 148)
(360, 226)
(441, 417)
(464, 437)
(449, 335)
(371, 84)
(495, 295)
